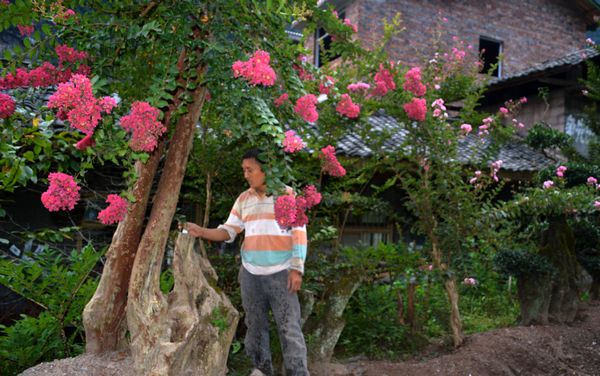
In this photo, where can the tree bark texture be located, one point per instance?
(534, 299)
(147, 308)
(104, 315)
(323, 329)
(558, 246)
(451, 290)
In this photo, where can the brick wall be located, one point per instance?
(532, 31)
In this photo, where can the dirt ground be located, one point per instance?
(552, 350)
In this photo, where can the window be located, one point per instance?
(490, 50)
(323, 43)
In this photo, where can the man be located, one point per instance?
(271, 271)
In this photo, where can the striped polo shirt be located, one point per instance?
(267, 248)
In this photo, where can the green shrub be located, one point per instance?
(62, 286)
(522, 263)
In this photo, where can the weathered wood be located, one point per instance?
(147, 306)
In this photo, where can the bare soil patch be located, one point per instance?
(548, 350)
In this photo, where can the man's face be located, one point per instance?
(253, 173)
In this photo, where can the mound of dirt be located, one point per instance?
(548, 350)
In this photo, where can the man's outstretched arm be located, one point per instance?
(213, 234)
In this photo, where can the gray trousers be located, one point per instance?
(259, 294)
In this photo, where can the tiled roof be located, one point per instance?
(574, 58)
(516, 155)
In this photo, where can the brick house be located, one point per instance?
(525, 32)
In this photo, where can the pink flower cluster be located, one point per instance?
(484, 129)
(466, 128)
(292, 143)
(75, 102)
(412, 82)
(312, 196)
(46, 74)
(416, 109)
(25, 30)
(63, 16)
(439, 109)
(256, 70)
(285, 210)
(358, 86)
(330, 163)
(69, 54)
(347, 108)
(592, 181)
(469, 282)
(290, 211)
(548, 184)
(7, 106)
(326, 85)
(597, 204)
(347, 22)
(306, 107)
(495, 168)
(281, 99)
(62, 194)
(85, 142)
(115, 211)
(144, 126)
(384, 82)
(560, 171)
(475, 178)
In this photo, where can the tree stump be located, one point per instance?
(558, 246)
(189, 332)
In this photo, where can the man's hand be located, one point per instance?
(294, 281)
(193, 229)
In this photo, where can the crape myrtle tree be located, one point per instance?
(133, 81)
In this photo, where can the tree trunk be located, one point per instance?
(534, 298)
(451, 290)
(147, 308)
(410, 312)
(558, 246)
(323, 329)
(104, 315)
(455, 320)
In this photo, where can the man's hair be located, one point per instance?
(254, 153)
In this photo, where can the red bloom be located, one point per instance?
(347, 108)
(330, 163)
(311, 196)
(62, 194)
(25, 30)
(69, 54)
(7, 106)
(115, 211)
(285, 210)
(384, 82)
(292, 143)
(413, 82)
(76, 100)
(282, 98)
(416, 109)
(85, 142)
(256, 70)
(325, 86)
(306, 108)
(144, 125)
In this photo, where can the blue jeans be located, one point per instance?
(259, 294)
